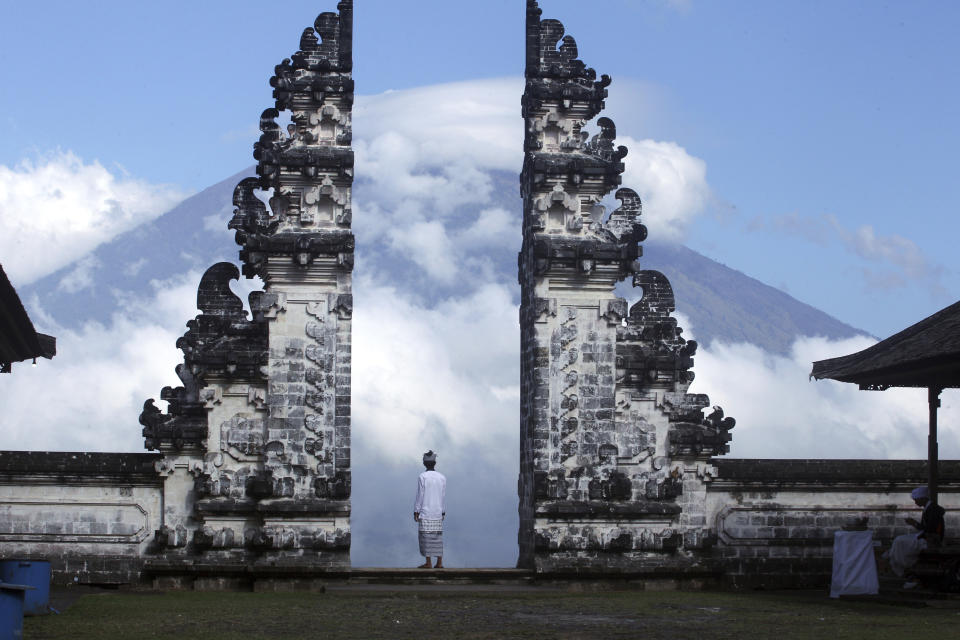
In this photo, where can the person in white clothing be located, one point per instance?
(905, 550)
(429, 509)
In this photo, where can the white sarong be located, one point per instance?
(431, 537)
(904, 552)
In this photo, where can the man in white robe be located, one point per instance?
(906, 548)
(429, 510)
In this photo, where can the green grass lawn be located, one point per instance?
(535, 613)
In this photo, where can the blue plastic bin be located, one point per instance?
(11, 610)
(35, 573)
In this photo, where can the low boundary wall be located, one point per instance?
(92, 515)
(95, 517)
(775, 519)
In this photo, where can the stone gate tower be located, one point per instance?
(612, 447)
(256, 442)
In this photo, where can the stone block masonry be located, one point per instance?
(774, 519)
(256, 443)
(92, 515)
(612, 447)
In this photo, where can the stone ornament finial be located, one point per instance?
(304, 167)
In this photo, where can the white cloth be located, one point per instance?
(904, 552)
(431, 542)
(854, 566)
(431, 495)
(431, 526)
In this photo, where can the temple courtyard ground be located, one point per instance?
(487, 611)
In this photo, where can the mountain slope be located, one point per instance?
(726, 305)
(721, 303)
(175, 242)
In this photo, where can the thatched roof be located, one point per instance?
(18, 339)
(926, 354)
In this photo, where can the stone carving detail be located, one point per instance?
(262, 419)
(167, 536)
(544, 308)
(601, 145)
(267, 306)
(220, 342)
(342, 305)
(695, 436)
(336, 488)
(250, 215)
(318, 376)
(623, 224)
(206, 538)
(310, 168)
(163, 467)
(241, 438)
(616, 311)
(650, 348)
(256, 397)
(608, 430)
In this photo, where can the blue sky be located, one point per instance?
(827, 128)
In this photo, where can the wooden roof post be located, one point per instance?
(933, 396)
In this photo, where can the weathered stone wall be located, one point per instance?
(304, 253)
(618, 472)
(256, 443)
(774, 520)
(612, 447)
(92, 515)
(568, 265)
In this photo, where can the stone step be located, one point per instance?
(215, 575)
(204, 575)
(381, 575)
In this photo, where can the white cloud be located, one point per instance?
(413, 180)
(427, 244)
(493, 226)
(89, 397)
(133, 268)
(81, 277)
(444, 123)
(671, 183)
(59, 208)
(780, 413)
(436, 377)
(901, 260)
(429, 152)
(893, 249)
